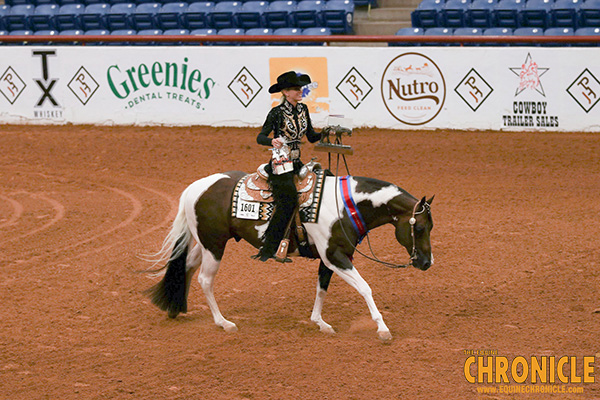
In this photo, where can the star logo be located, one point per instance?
(529, 73)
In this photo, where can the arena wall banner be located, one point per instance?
(478, 88)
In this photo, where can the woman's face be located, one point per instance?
(293, 94)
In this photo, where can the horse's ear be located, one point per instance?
(423, 201)
(431, 200)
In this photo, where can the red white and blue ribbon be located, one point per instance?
(357, 220)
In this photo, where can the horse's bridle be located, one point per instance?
(412, 221)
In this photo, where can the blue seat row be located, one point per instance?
(336, 15)
(111, 2)
(316, 31)
(489, 32)
(507, 13)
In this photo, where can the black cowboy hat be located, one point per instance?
(288, 80)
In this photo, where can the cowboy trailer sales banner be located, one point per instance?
(482, 88)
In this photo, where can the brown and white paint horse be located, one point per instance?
(204, 225)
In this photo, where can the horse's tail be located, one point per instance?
(170, 294)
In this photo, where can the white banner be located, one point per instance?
(495, 88)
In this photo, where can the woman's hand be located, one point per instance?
(278, 142)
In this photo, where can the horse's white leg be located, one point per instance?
(316, 312)
(206, 277)
(353, 278)
(322, 285)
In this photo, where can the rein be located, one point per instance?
(412, 221)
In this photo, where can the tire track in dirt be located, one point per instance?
(18, 211)
(59, 213)
(166, 221)
(134, 200)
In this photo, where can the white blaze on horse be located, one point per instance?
(204, 224)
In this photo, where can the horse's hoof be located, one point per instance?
(230, 327)
(327, 330)
(385, 336)
(173, 314)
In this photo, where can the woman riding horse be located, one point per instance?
(289, 122)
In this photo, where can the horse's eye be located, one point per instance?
(419, 229)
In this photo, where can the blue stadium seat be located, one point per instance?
(426, 13)
(232, 32)
(498, 32)
(88, 2)
(559, 31)
(3, 33)
(589, 31)
(468, 32)
(16, 2)
(68, 17)
(589, 14)
(121, 32)
(308, 14)
(73, 32)
(119, 16)
(536, 13)
(407, 32)
(46, 32)
(279, 14)
(222, 15)
(528, 31)
(18, 17)
(507, 13)
(480, 13)
(258, 32)
(94, 16)
(338, 15)
(315, 32)
(96, 32)
(176, 32)
(565, 13)
(170, 15)
(439, 31)
(410, 32)
(4, 11)
(287, 32)
(454, 12)
(251, 14)
(144, 16)
(148, 32)
(196, 16)
(21, 32)
(204, 32)
(43, 17)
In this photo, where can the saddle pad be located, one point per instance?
(262, 211)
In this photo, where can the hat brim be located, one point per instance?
(301, 80)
